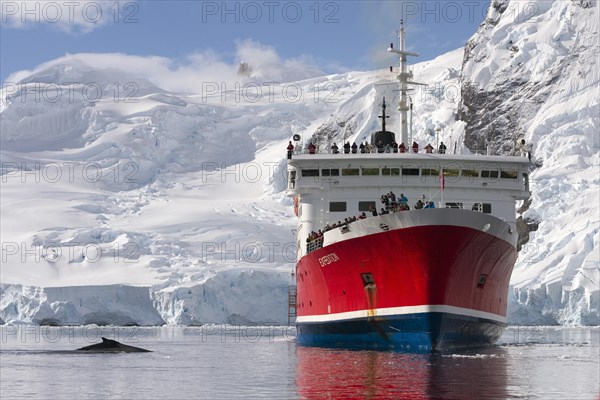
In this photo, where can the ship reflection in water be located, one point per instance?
(349, 374)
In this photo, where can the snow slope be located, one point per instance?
(532, 72)
(181, 194)
(126, 203)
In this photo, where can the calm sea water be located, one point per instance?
(227, 362)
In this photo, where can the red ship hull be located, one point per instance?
(428, 287)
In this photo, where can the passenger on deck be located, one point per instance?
(403, 207)
(388, 148)
(392, 196)
(402, 199)
(385, 201)
(380, 148)
(312, 148)
(354, 147)
(429, 148)
(373, 210)
(442, 149)
(415, 147)
(298, 149)
(362, 148)
(362, 215)
(402, 148)
(429, 205)
(290, 149)
(419, 205)
(376, 148)
(347, 148)
(334, 149)
(368, 147)
(383, 212)
(395, 147)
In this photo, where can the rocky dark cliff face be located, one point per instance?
(491, 111)
(497, 108)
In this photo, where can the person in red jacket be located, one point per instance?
(311, 148)
(290, 149)
(402, 148)
(415, 147)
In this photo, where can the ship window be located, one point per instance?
(451, 172)
(410, 171)
(454, 205)
(337, 206)
(430, 172)
(310, 172)
(470, 173)
(365, 205)
(489, 174)
(390, 171)
(350, 172)
(330, 172)
(485, 208)
(370, 171)
(508, 174)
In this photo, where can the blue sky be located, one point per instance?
(334, 35)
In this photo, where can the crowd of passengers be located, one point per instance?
(366, 147)
(390, 204)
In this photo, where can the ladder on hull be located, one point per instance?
(292, 295)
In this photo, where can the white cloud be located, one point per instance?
(76, 16)
(192, 72)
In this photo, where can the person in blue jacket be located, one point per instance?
(429, 205)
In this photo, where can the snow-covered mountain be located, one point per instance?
(532, 72)
(123, 202)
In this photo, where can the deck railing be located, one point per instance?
(408, 152)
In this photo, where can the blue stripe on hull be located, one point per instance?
(410, 332)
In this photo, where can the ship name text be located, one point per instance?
(328, 259)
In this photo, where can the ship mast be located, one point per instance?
(405, 79)
(383, 117)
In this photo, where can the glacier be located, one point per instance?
(127, 203)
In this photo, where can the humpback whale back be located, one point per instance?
(109, 345)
